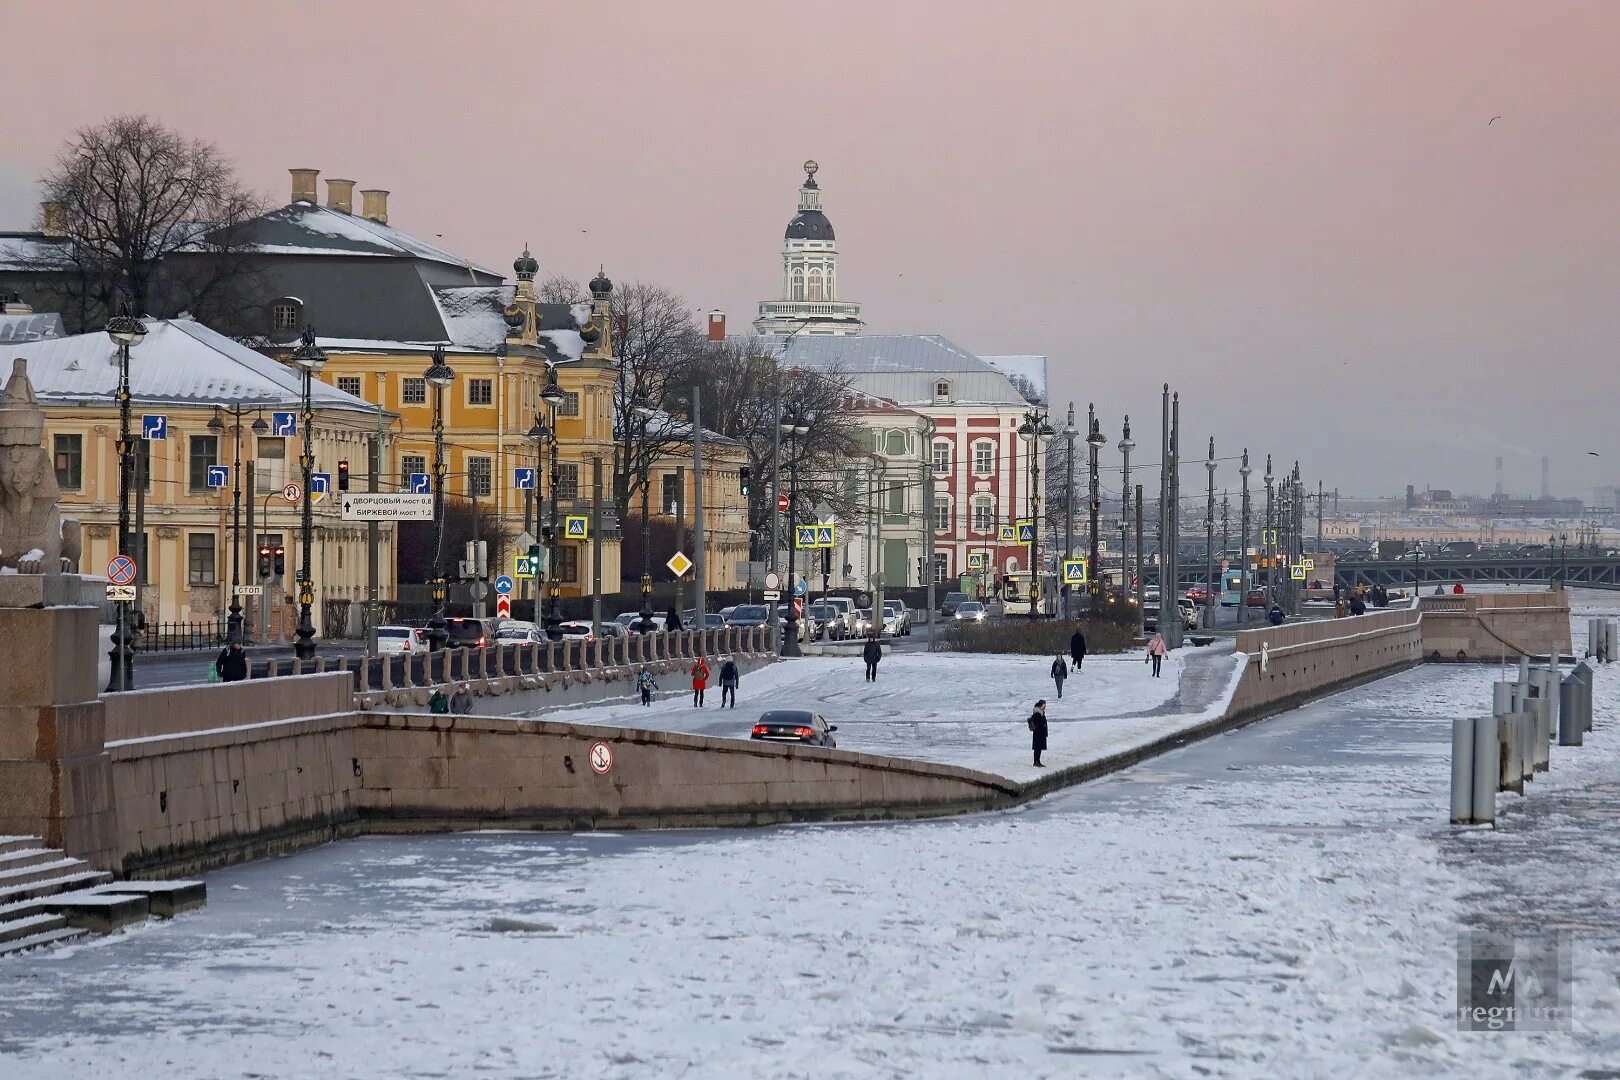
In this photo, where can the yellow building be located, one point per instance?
(201, 384)
(725, 508)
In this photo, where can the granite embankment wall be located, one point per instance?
(1291, 664)
(1489, 627)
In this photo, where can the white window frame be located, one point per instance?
(942, 513)
(983, 515)
(942, 468)
(989, 448)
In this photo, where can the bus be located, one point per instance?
(1017, 595)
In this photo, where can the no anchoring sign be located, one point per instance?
(601, 758)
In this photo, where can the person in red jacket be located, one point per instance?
(1457, 590)
(700, 680)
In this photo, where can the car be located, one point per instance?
(749, 615)
(1198, 594)
(1256, 597)
(1189, 613)
(631, 619)
(952, 601)
(613, 629)
(517, 632)
(781, 620)
(712, 620)
(576, 631)
(863, 621)
(846, 612)
(897, 610)
(970, 611)
(796, 726)
(399, 640)
(470, 633)
(827, 622)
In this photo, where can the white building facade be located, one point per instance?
(809, 303)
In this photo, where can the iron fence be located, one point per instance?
(179, 637)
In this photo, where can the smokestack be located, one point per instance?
(1500, 490)
(374, 205)
(717, 326)
(340, 195)
(54, 215)
(1546, 487)
(303, 185)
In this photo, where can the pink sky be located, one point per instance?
(1297, 213)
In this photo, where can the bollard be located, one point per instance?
(1524, 670)
(1541, 727)
(1583, 672)
(1501, 698)
(1510, 774)
(1486, 761)
(1462, 769)
(1570, 724)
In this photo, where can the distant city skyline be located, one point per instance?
(1301, 217)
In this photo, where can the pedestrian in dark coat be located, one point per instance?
(1276, 616)
(729, 678)
(672, 621)
(461, 701)
(1037, 732)
(1358, 606)
(872, 652)
(1060, 671)
(232, 663)
(1077, 649)
(438, 704)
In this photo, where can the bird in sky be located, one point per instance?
(1593, 453)
(1492, 120)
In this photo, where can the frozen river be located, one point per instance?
(1281, 901)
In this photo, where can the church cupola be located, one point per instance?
(809, 301)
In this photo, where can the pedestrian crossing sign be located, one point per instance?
(1297, 571)
(823, 535)
(523, 567)
(975, 560)
(1008, 534)
(1310, 564)
(1075, 572)
(1268, 536)
(576, 527)
(1026, 532)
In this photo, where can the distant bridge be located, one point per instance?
(1577, 571)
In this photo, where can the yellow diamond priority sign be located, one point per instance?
(679, 564)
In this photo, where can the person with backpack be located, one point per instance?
(872, 652)
(700, 681)
(1060, 671)
(729, 678)
(1037, 731)
(645, 684)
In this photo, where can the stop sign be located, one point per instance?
(782, 502)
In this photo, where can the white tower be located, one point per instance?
(809, 303)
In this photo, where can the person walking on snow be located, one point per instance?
(872, 652)
(1077, 649)
(700, 681)
(645, 684)
(461, 701)
(1037, 731)
(1155, 652)
(729, 677)
(232, 663)
(1060, 671)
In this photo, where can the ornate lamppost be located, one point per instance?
(127, 331)
(645, 623)
(553, 396)
(1094, 445)
(1211, 601)
(535, 509)
(1268, 537)
(439, 375)
(794, 426)
(233, 624)
(1069, 432)
(1243, 543)
(1036, 433)
(1125, 448)
(310, 359)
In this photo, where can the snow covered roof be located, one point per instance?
(16, 328)
(30, 251)
(179, 362)
(1030, 368)
(904, 368)
(302, 228)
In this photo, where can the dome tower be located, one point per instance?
(809, 302)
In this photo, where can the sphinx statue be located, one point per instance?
(34, 537)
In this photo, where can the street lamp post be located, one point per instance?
(1267, 540)
(1036, 432)
(127, 331)
(233, 624)
(1243, 543)
(309, 357)
(439, 375)
(645, 625)
(1094, 445)
(1209, 538)
(1069, 433)
(1125, 448)
(794, 426)
(553, 396)
(534, 508)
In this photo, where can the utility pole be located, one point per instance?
(1174, 641)
(257, 604)
(374, 457)
(680, 533)
(596, 547)
(1094, 443)
(1141, 578)
(1243, 541)
(1211, 601)
(776, 503)
(1319, 499)
(700, 571)
(1166, 585)
(1068, 512)
(1125, 448)
(929, 574)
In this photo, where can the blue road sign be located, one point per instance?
(523, 479)
(504, 584)
(802, 587)
(419, 483)
(574, 526)
(154, 427)
(1026, 533)
(824, 536)
(1075, 572)
(804, 536)
(320, 483)
(284, 424)
(526, 566)
(219, 475)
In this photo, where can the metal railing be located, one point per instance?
(179, 637)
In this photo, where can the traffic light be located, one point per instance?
(343, 474)
(264, 562)
(743, 475)
(281, 561)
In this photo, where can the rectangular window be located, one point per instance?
(669, 493)
(896, 499)
(942, 513)
(69, 451)
(568, 481)
(480, 391)
(984, 458)
(942, 458)
(201, 559)
(983, 516)
(568, 562)
(204, 453)
(413, 391)
(570, 404)
(408, 464)
(942, 566)
(349, 384)
(478, 477)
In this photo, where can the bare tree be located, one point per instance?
(655, 336)
(558, 289)
(135, 193)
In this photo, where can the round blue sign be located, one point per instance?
(503, 584)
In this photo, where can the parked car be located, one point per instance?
(397, 640)
(630, 619)
(1198, 594)
(613, 629)
(1189, 613)
(470, 633)
(897, 611)
(952, 601)
(970, 611)
(827, 622)
(749, 615)
(846, 612)
(516, 632)
(576, 631)
(712, 620)
(795, 725)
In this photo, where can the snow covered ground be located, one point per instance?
(952, 708)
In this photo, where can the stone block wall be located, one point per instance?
(142, 714)
(1489, 627)
(1290, 664)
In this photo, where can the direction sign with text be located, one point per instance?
(387, 506)
(248, 590)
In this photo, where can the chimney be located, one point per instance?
(1546, 485)
(303, 186)
(1500, 490)
(374, 205)
(717, 326)
(55, 218)
(340, 195)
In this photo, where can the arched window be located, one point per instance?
(815, 284)
(832, 292)
(798, 285)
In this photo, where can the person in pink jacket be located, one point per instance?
(1155, 652)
